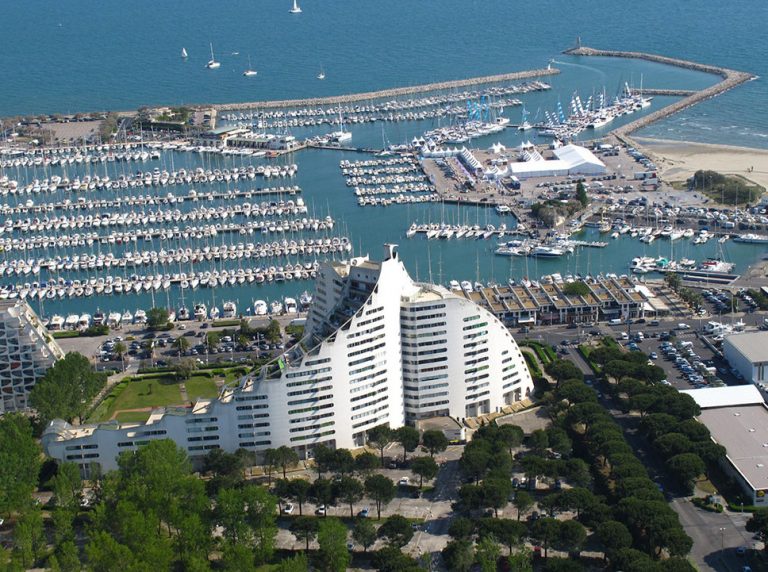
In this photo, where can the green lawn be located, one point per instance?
(132, 416)
(149, 391)
(201, 386)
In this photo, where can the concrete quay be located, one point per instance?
(384, 93)
(731, 79)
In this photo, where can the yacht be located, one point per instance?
(547, 252)
(230, 310)
(250, 72)
(260, 308)
(212, 63)
(290, 306)
(214, 313)
(183, 314)
(295, 9)
(305, 300)
(140, 317)
(321, 75)
(201, 312)
(751, 238)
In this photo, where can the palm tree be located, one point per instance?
(120, 350)
(182, 344)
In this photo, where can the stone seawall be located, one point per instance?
(731, 79)
(394, 92)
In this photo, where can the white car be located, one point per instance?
(321, 510)
(404, 482)
(288, 509)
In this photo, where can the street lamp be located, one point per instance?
(722, 538)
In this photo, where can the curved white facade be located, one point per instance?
(378, 348)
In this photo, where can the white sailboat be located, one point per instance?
(184, 53)
(250, 71)
(321, 75)
(212, 63)
(295, 9)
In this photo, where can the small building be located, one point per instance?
(748, 354)
(453, 430)
(218, 137)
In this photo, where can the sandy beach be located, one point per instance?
(678, 160)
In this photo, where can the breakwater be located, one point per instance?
(731, 79)
(384, 93)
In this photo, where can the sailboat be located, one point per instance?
(212, 63)
(295, 9)
(321, 75)
(525, 125)
(250, 71)
(184, 53)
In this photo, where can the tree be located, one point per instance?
(66, 389)
(581, 194)
(396, 530)
(66, 558)
(380, 437)
(496, 492)
(506, 531)
(434, 442)
(487, 554)
(273, 334)
(474, 461)
(389, 559)
(381, 490)
(366, 462)
(759, 523)
(613, 536)
(120, 349)
(408, 437)
(157, 318)
(523, 503)
(333, 555)
(324, 459)
(576, 392)
(185, 367)
(364, 533)
(29, 536)
(343, 462)
(237, 556)
(261, 508)
(709, 452)
(511, 436)
(286, 457)
(181, 344)
(577, 499)
(271, 462)
(322, 491)
(350, 490)
(562, 370)
(672, 444)
(19, 462)
(105, 554)
(546, 531)
(521, 561)
(299, 563)
(538, 441)
(299, 491)
(686, 468)
(304, 528)
(618, 369)
(571, 536)
(424, 468)
(559, 440)
(461, 528)
(458, 555)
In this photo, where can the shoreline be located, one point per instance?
(678, 160)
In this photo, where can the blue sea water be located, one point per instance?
(85, 55)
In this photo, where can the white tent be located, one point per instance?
(570, 160)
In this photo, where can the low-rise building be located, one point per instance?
(747, 353)
(27, 350)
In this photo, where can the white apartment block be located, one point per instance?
(26, 352)
(378, 348)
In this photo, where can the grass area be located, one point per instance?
(159, 390)
(225, 323)
(544, 352)
(201, 386)
(726, 189)
(132, 416)
(66, 334)
(533, 365)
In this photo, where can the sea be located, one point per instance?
(84, 55)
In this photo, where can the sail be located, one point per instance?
(183, 52)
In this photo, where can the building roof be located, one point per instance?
(734, 395)
(576, 155)
(753, 345)
(743, 431)
(568, 158)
